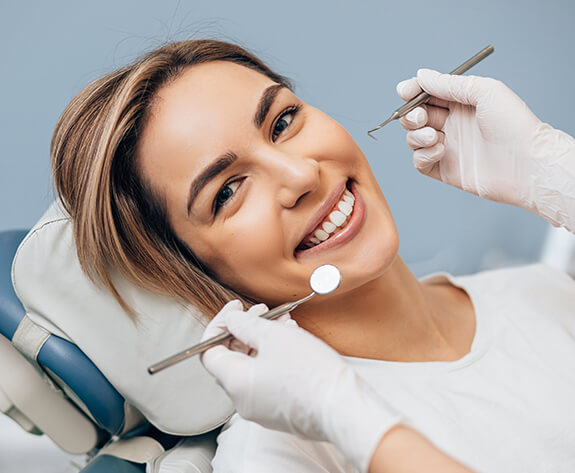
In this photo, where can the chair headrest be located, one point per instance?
(57, 295)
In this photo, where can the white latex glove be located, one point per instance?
(293, 382)
(477, 135)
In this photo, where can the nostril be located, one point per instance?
(300, 198)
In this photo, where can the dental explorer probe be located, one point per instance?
(424, 96)
(324, 280)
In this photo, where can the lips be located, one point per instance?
(335, 221)
(320, 234)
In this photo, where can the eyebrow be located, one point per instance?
(226, 160)
(266, 101)
(209, 173)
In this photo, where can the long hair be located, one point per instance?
(119, 222)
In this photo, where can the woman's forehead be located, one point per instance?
(212, 100)
(206, 105)
(208, 110)
(215, 83)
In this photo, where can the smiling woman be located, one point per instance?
(198, 174)
(260, 173)
(119, 221)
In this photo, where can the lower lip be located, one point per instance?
(344, 235)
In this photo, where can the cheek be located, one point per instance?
(242, 250)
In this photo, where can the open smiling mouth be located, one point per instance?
(334, 222)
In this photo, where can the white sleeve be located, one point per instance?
(246, 447)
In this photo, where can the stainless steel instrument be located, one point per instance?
(423, 96)
(324, 280)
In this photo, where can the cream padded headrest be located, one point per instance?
(57, 295)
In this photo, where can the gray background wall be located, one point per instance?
(345, 58)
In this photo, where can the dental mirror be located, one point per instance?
(324, 280)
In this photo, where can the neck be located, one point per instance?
(393, 317)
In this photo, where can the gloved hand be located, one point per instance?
(477, 135)
(284, 378)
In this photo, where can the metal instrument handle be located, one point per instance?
(222, 338)
(424, 96)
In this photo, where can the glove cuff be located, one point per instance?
(356, 418)
(552, 194)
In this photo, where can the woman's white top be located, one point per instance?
(507, 406)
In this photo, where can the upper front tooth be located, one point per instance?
(350, 199)
(321, 235)
(328, 227)
(345, 208)
(337, 217)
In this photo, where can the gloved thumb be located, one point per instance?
(248, 327)
(467, 90)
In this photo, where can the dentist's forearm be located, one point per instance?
(403, 450)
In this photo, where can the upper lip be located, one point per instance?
(324, 209)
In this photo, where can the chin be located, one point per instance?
(374, 248)
(370, 263)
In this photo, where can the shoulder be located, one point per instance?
(245, 446)
(533, 289)
(533, 279)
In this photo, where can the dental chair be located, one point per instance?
(88, 396)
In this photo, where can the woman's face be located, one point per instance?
(250, 173)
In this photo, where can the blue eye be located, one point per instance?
(284, 121)
(224, 195)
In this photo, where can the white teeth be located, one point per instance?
(334, 222)
(337, 218)
(345, 208)
(329, 227)
(321, 235)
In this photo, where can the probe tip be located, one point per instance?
(380, 126)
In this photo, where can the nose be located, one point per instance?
(296, 176)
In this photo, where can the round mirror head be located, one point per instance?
(325, 279)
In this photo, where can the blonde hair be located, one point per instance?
(119, 222)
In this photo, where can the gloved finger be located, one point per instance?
(422, 138)
(410, 88)
(236, 345)
(258, 309)
(426, 115)
(427, 160)
(248, 327)
(436, 117)
(407, 89)
(254, 311)
(228, 367)
(467, 90)
(217, 325)
(414, 119)
(213, 355)
(286, 319)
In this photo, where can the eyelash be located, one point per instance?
(217, 205)
(292, 110)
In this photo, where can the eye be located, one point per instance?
(284, 121)
(225, 194)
